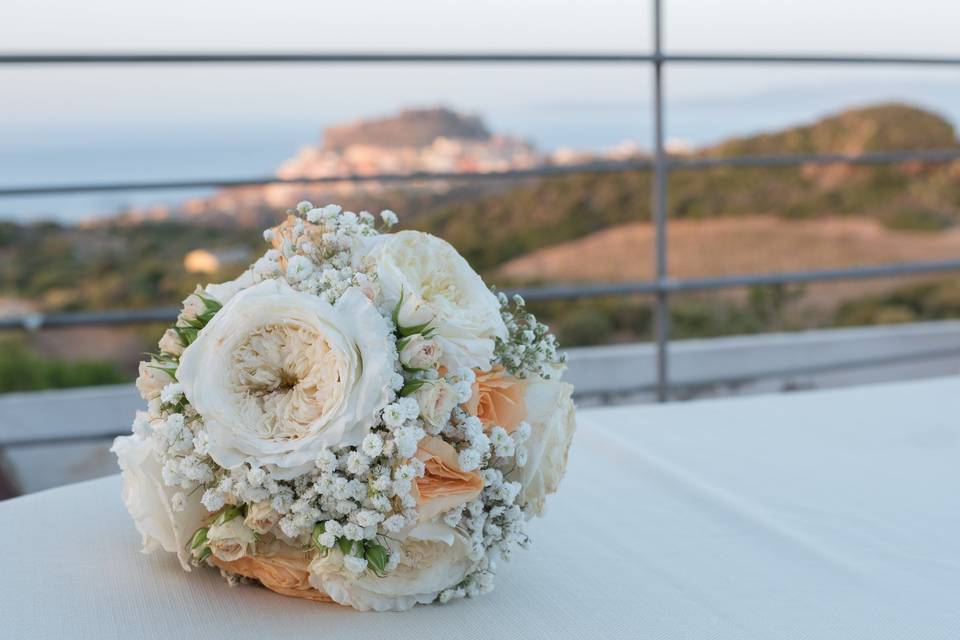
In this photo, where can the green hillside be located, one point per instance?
(882, 127)
(909, 196)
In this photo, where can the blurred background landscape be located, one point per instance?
(585, 227)
(146, 249)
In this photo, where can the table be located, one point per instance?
(832, 514)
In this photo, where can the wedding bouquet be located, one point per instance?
(357, 418)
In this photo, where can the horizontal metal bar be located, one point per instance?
(785, 58)
(561, 292)
(514, 174)
(146, 57)
(320, 57)
(34, 321)
(552, 292)
(573, 291)
(636, 164)
(58, 440)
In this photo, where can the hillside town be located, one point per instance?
(418, 140)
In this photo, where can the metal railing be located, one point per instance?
(661, 287)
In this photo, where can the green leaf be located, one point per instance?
(345, 545)
(170, 370)
(377, 557)
(212, 305)
(168, 360)
(411, 387)
(396, 310)
(195, 323)
(413, 369)
(187, 334)
(414, 330)
(228, 514)
(206, 553)
(199, 537)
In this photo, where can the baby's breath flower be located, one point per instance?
(299, 268)
(402, 487)
(327, 539)
(327, 461)
(394, 523)
(355, 564)
(389, 217)
(358, 463)
(212, 500)
(372, 445)
(394, 415)
(469, 459)
(171, 393)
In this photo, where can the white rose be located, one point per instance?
(148, 500)
(420, 352)
(229, 541)
(170, 343)
(277, 375)
(433, 557)
(436, 399)
(438, 286)
(261, 517)
(223, 291)
(152, 380)
(551, 415)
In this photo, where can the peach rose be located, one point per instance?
(444, 485)
(285, 573)
(498, 400)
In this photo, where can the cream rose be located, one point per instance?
(148, 500)
(261, 517)
(229, 541)
(152, 380)
(436, 400)
(170, 343)
(432, 558)
(438, 286)
(551, 415)
(193, 306)
(444, 485)
(419, 352)
(277, 375)
(498, 399)
(282, 570)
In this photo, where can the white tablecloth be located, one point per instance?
(824, 515)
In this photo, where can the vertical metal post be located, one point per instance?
(659, 207)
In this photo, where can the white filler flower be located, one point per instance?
(277, 375)
(149, 500)
(439, 287)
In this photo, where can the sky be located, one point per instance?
(61, 124)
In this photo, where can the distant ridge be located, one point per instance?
(410, 128)
(882, 127)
